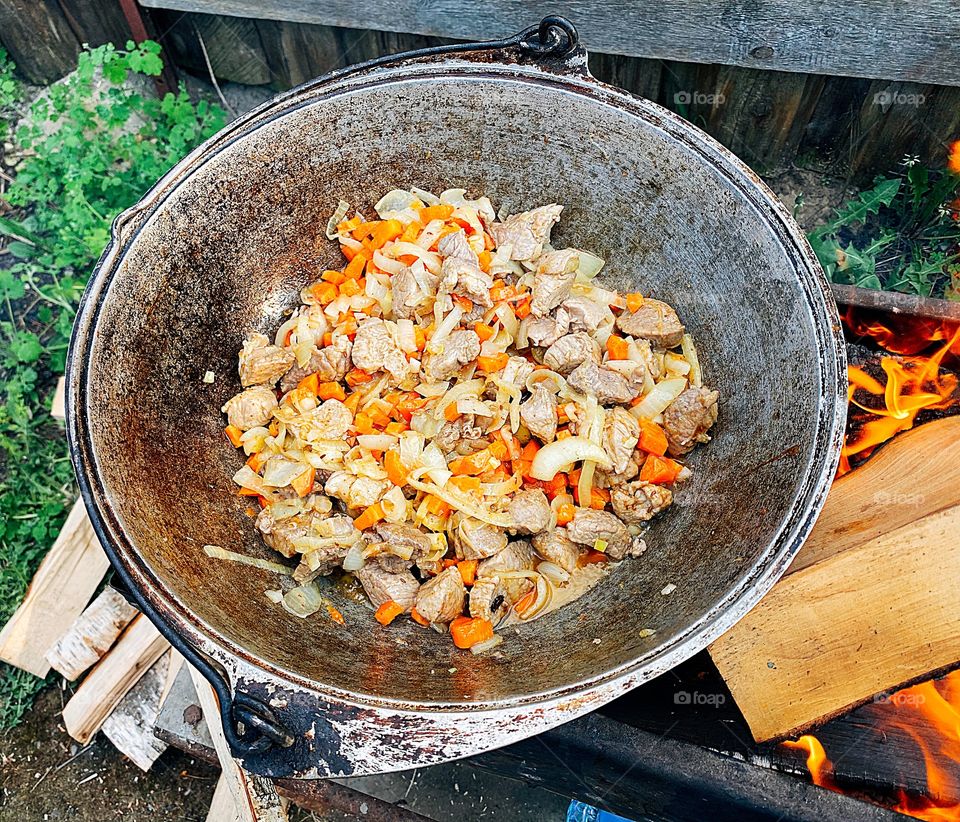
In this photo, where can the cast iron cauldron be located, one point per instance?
(222, 245)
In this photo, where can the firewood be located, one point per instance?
(58, 406)
(869, 604)
(61, 588)
(254, 799)
(92, 635)
(130, 726)
(140, 646)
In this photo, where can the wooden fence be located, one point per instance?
(847, 86)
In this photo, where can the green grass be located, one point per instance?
(102, 153)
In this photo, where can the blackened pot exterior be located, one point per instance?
(222, 246)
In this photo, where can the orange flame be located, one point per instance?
(953, 158)
(820, 767)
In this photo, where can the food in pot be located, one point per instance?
(462, 418)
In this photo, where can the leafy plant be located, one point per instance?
(902, 234)
(96, 141)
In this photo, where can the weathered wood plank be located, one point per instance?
(92, 635)
(38, 37)
(96, 22)
(135, 652)
(858, 38)
(60, 590)
(297, 52)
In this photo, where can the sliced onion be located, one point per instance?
(339, 213)
(486, 645)
(585, 484)
(394, 203)
(431, 231)
(384, 263)
(690, 354)
(470, 388)
(284, 508)
(560, 455)
(656, 402)
(275, 595)
(542, 600)
(431, 259)
(354, 560)
(280, 472)
(424, 423)
(425, 196)
(553, 572)
(459, 501)
(303, 601)
(377, 442)
(521, 336)
(590, 265)
(451, 321)
(550, 380)
(469, 405)
(247, 478)
(406, 336)
(217, 552)
(394, 505)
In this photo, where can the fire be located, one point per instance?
(953, 159)
(821, 768)
(911, 383)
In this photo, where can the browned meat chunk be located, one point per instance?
(606, 385)
(403, 538)
(530, 511)
(517, 556)
(356, 492)
(473, 539)
(261, 362)
(281, 535)
(556, 271)
(466, 278)
(329, 421)
(555, 546)
(655, 321)
(250, 408)
(516, 371)
(455, 246)
(582, 314)
(589, 525)
(539, 414)
(411, 297)
(458, 349)
(382, 586)
(545, 331)
(461, 437)
(441, 598)
(330, 364)
(639, 501)
(375, 349)
(569, 351)
(528, 232)
(689, 417)
(621, 433)
(607, 479)
(488, 600)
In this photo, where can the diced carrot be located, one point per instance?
(450, 413)
(247, 492)
(384, 232)
(474, 464)
(558, 485)
(348, 225)
(357, 377)
(327, 339)
(501, 291)
(408, 259)
(469, 485)
(287, 336)
(420, 338)
(352, 253)
(617, 347)
(363, 423)
(634, 301)
(468, 631)
(499, 450)
(233, 434)
(378, 417)
(562, 417)
(660, 470)
(492, 363)
(448, 563)
(351, 288)
(274, 428)
(348, 326)
(484, 259)
(530, 450)
(593, 556)
(565, 513)
(636, 401)
(415, 616)
(484, 331)
(396, 427)
(303, 484)
(411, 232)
(324, 293)
(409, 405)
(353, 402)
(330, 391)
(396, 472)
(255, 462)
(355, 267)
(599, 497)
(652, 438)
(309, 383)
(370, 517)
(441, 211)
(335, 277)
(573, 477)
(388, 612)
(525, 601)
(465, 303)
(522, 308)
(468, 571)
(437, 506)
(335, 615)
(488, 243)
(364, 230)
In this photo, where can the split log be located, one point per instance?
(868, 606)
(135, 652)
(92, 635)
(60, 590)
(58, 407)
(130, 726)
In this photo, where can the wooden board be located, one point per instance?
(92, 635)
(858, 38)
(877, 616)
(60, 590)
(135, 652)
(38, 38)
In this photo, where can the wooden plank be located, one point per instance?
(96, 22)
(130, 725)
(61, 588)
(38, 37)
(858, 38)
(135, 652)
(915, 475)
(58, 404)
(297, 52)
(830, 636)
(222, 807)
(92, 635)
